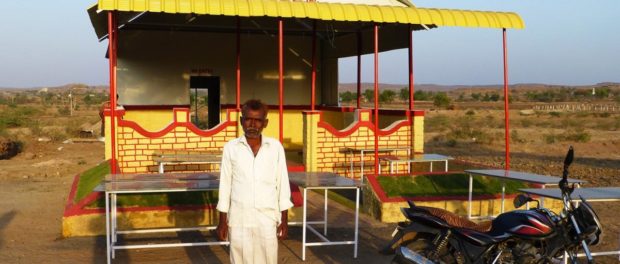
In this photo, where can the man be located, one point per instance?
(254, 192)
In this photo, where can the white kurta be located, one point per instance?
(253, 192)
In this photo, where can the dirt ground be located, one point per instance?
(35, 185)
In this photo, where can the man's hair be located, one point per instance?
(254, 105)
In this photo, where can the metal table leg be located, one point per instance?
(107, 228)
(325, 214)
(471, 183)
(303, 226)
(357, 209)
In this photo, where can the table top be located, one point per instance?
(353, 149)
(422, 157)
(189, 158)
(594, 194)
(522, 176)
(164, 185)
(162, 176)
(321, 179)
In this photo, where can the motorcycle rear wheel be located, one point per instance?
(423, 245)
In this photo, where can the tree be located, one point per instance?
(403, 94)
(347, 96)
(422, 95)
(387, 96)
(369, 95)
(476, 96)
(441, 100)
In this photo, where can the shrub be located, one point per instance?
(64, 111)
(441, 99)
(581, 136)
(437, 123)
(550, 138)
(526, 122)
(555, 114)
(516, 137)
(470, 112)
(55, 134)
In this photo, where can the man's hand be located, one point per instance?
(222, 227)
(282, 231)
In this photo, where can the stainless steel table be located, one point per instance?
(324, 181)
(597, 194)
(152, 183)
(544, 180)
(180, 159)
(391, 160)
(362, 150)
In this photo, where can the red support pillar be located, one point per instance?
(376, 99)
(238, 99)
(411, 88)
(281, 78)
(313, 100)
(359, 68)
(506, 112)
(112, 41)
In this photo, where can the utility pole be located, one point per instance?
(70, 104)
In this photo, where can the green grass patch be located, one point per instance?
(444, 185)
(162, 199)
(90, 179)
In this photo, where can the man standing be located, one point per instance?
(254, 192)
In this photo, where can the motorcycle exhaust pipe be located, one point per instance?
(407, 256)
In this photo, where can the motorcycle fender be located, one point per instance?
(405, 233)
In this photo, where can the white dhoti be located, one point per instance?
(254, 245)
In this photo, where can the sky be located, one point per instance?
(51, 43)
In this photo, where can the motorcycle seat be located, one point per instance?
(454, 219)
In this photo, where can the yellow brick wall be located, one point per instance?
(136, 150)
(331, 154)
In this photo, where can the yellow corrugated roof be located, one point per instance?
(322, 11)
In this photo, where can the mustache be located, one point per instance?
(252, 130)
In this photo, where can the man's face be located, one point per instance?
(253, 122)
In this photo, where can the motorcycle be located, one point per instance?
(536, 235)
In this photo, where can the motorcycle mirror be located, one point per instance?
(569, 157)
(520, 200)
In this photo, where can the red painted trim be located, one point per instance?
(190, 126)
(506, 110)
(154, 107)
(112, 35)
(238, 96)
(418, 113)
(359, 69)
(313, 85)
(281, 78)
(119, 112)
(411, 83)
(376, 98)
(368, 124)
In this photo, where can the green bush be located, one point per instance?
(441, 99)
(470, 112)
(17, 116)
(555, 114)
